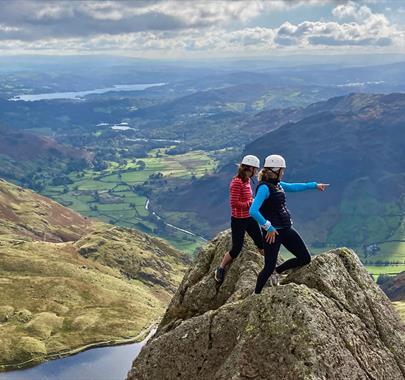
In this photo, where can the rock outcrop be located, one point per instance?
(327, 320)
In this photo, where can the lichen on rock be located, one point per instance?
(6, 312)
(23, 315)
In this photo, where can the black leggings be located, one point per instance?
(294, 243)
(239, 226)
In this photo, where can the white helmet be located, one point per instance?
(251, 161)
(274, 161)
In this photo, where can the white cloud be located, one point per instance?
(8, 29)
(182, 27)
(352, 10)
(63, 18)
(335, 34)
(363, 28)
(48, 19)
(52, 12)
(362, 15)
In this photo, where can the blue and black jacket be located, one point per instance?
(269, 206)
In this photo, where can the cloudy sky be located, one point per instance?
(168, 28)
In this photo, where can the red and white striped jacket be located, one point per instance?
(240, 197)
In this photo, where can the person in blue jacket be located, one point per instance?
(270, 211)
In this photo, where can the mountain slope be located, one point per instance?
(358, 149)
(394, 286)
(67, 282)
(26, 214)
(355, 143)
(24, 146)
(31, 159)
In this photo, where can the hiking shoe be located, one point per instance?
(219, 275)
(282, 278)
(274, 279)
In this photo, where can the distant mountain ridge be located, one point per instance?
(22, 145)
(31, 159)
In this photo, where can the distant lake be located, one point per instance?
(106, 363)
(80, 94)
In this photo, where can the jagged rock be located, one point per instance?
(23, 315)
(199, 291)
(328, 320)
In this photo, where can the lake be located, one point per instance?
(80, 94)
(105, 363)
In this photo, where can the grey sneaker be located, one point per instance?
(282, 278)
(219, 275)
(274, 279)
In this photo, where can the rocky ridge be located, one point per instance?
(327, 320)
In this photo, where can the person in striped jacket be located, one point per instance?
(241, 199)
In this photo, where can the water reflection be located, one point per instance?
(106, 363)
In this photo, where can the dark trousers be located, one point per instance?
(294, 243)
(239, 226)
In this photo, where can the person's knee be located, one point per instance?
(260, 245)
(234, 253)
(266, 273)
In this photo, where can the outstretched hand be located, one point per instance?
(322, 186)
(271, 236)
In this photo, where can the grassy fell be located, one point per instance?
(55, 300)
(56, 297)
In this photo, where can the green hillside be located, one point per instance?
(67, 282)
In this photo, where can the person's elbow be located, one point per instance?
(253, 212)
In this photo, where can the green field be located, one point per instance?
(391, 251)
(390, 270)
(113, 195)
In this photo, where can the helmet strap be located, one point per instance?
(276, 172)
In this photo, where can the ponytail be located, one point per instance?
(242, 173)
(265, 175)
